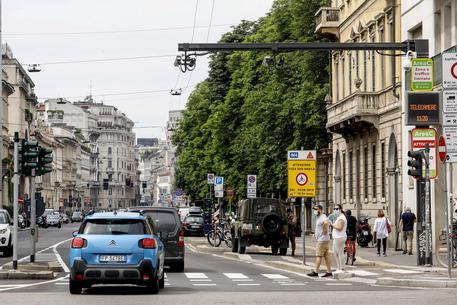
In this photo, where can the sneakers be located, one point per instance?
(410, 253)
(313, 273)
(404, 252)
(327, 274)
(384, 254)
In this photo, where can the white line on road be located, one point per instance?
(338, 284)
(242, 280)
(274, 276)
(204, 284)
(234, 276)
(14, 285)
(34, 284)
(249, 284)
(201, 280)
(402, 271)
(195, 275)
(292, 284)
(59, 258)
(363, 273)
(61, 283)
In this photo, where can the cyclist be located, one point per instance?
(351, 233)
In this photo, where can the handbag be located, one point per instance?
(389, 228)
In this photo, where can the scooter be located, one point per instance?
(364, 236)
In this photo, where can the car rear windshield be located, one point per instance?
(2, 218)
(164, 221)
(113, 226)
(194, 219)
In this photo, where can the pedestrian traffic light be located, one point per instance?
(105, 184)
(29, 156)
(44, 161)
(415, 163)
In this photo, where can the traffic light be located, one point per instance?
(415, 163)
(44, 161)
(29, 156)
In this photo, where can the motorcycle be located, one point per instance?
(364, 236)
(41, 222)
(21, 222)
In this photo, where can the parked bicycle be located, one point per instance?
(222, 234)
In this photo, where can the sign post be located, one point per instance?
(301, 168)
(252, 186)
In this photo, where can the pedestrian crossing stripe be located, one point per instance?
(195, 275)
(275, 276)
(236, 276)
(401, 271)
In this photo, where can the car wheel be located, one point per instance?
(153, 286)
(235, 245)
(9, 249)
(75, 287)
(241, 248)
(59, 226)
(274, 249)
(283, 251)
(177, 267)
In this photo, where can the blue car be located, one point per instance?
(116, 248)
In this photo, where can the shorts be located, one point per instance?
(322, 248)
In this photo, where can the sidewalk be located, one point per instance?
(45, 267)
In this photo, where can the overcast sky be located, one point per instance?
(33, 29)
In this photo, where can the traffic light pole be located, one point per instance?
(33, 229)
(428, 237)
(16, 197)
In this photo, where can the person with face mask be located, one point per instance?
(339, 236)
(322, 235)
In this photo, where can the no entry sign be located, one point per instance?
(442, 149)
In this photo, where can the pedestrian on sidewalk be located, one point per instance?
(407, 220)
(351, 232)
(339, 236)
(322, 236)
(380, 228)
(292, 228)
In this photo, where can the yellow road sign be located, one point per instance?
(301, 166)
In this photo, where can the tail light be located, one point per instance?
(148, 243)
(78, 243)
(181, 239)
(79, 277)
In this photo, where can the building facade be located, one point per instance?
(364, 107)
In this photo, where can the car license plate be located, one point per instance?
(195, 227)
(112, 258)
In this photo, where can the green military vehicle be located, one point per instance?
(261, 222)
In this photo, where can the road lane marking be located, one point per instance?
(338, 284)
(273, 276)
(401, 271)
(249, 284)
(292, 284)
(34, 284)
(59, 258)
(236, 276)
(201, 280)
(60, 283)
(13, 285)
(195, 275)
(363, 273)
(242, 280)
(206, 284)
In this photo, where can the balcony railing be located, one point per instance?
(361, 107)
(327, 20)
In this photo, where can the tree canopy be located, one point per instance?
(245, 116)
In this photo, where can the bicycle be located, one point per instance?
(348, 249)
(222, 234)
(441, 252)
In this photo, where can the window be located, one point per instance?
(383, 169)
(343, 76)
(110, 191)
(365, 171)
(110, 177)
(336, 81)
(110, 163)
(114, 227)
(373, 70)
(383, 61)
(357, 67)
(365, 87)
(357, 175)
(344, 176)
(373, 173)
(109, 150)
(350, 73)
(351, 190)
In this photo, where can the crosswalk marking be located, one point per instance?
(249, 284)
(195, 275)
(200, 280)
(206, 284)
(338, 284)
(237, 276)
(363, 273)
(292, 284)
(275, 276)
(60, 283)
(402, 271)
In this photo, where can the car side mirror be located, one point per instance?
(74, 233)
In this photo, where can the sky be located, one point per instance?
(49, 32)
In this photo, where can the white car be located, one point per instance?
(6, 232)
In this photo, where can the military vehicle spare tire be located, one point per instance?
(272, 223)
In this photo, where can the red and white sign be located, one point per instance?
(442, 149)
(449, 70)
(419, 138)
(302, 179)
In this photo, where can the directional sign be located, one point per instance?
(449, 70)
(422, 74)
(210, 178)
(419, 138)
(442, 149)
(301, 167)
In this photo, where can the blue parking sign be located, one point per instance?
(219, 180)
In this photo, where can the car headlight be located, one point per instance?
(3, 231)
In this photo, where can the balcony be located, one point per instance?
(327, 21)
(353, 114)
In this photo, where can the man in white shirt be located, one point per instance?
(322, 235)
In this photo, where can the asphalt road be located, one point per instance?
(213, 279)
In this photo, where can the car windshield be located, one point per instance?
(3, 218)
(114, 227)
(76, 213)
(164, 221)
(194, 219)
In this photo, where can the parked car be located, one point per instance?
(64, 218)
(116, 248)
(193, 225)
(195, 211)
(77, 216)
(53, 220)
(169, 226)
(262, 222)
(6, 231)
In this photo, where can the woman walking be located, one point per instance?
(339, 236)
(380, 228)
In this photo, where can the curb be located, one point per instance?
(26, 275)
(418, 283)
(52, 266)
